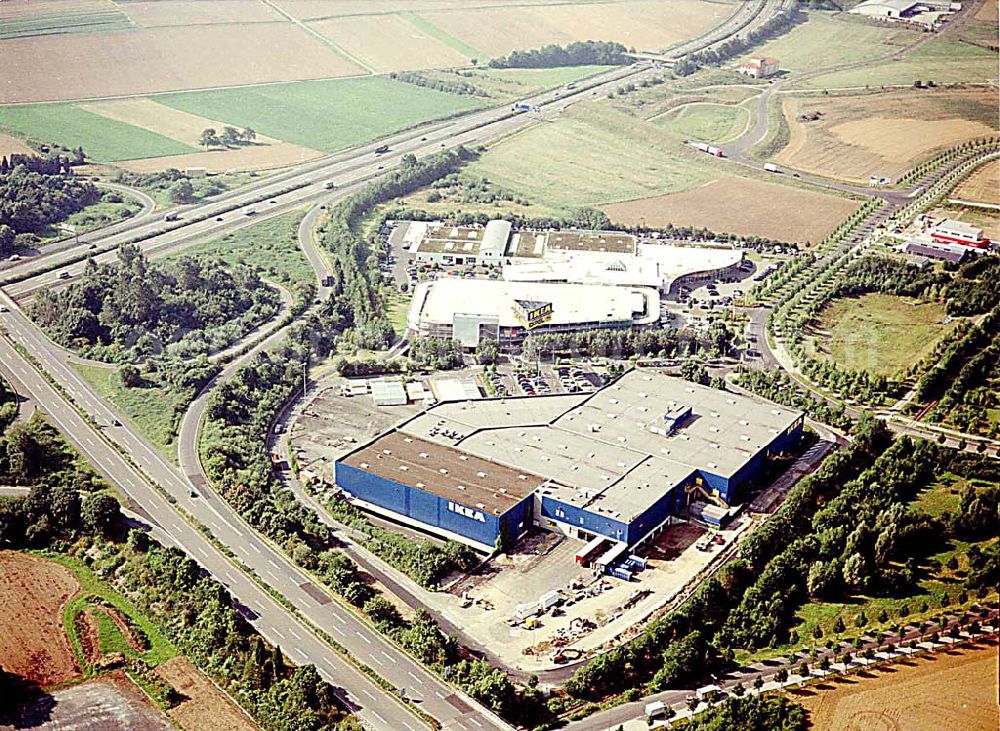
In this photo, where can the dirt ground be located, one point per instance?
(389, 43)
(73, 66)
(33, 643)
(645, 25)
(882, 134)
(109, 703)
(988, 12)
(953, 690)
(167, 12)
(982, 186)
(741, 206)
(204, 705)
(9, 145)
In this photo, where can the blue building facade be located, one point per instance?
(423, 507)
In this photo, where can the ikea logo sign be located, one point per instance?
(466, 512)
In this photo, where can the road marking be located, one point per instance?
(278, 632)
(295, 634)
(339, 631)
(362, 637)
(381, 720)
(368, 693)
(302, 654)
(271, 561)
(439, 694)
(377, 661)
(472, 720)
(254, 547)
(415, 678)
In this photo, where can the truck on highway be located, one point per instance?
(771, 167)
(522, 107)
(382, 149)
(168, 217)
(329, 185)
(710, 149)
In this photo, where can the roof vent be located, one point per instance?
(775, 412)
(731, 401)
(744, 422)
(714, 428)
(424, 455)
(464, 457)
(712, 465)
(715, 414)
(744, 437)
(403, 468)
(364, 465)
(480, 506)
(420, 484)
(408, 440)
(461, 487)
(522, 477)
(481, 474)
(386, 451)
(443, 471)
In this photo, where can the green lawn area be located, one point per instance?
(706, 122)
(151, 410)
(509, 84)
(93, 592)
(103, 214)
(270, 246)
(103, 139)
(593, 154)
(433, 31)
(946, 58)
(825, 41)
(398, 305)
(880, 333)
(324, 115)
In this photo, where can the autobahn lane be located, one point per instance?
(268, 616)
(454, 710)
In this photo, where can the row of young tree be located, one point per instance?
(579, 53)
(971, 396)
(131, 309)
(780, 387)
(715, 341)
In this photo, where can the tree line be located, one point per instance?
(130, 309)
(781, 388)
(580, 53)
(737, 45)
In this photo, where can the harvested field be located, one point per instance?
(741, 206)
(109, 703)
(954, 690)
(389, 43)
(71, 21)
(33, 643)
(49, 68)
(196, 12)
(983, 186)
(644, 25)
(881, 134)
(253, 157)
(27, 8)
(204, 705)
(988, 12)
(163, 120)
(11, 145)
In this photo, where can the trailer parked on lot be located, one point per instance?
(586, 554)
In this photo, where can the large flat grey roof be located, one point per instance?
(602, 448)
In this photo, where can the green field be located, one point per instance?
(434, 32)
(592, 154)
(103, 139)
(324, 115)
(271, 247)
(85, 21)
(826, 41)
(879, 333)
(152, 410)
(706, 122)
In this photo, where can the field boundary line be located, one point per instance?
(320, 37)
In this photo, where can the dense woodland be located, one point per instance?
(132, 309)
(179, 187)
(36, 194)
(580, 53)
(781, 388)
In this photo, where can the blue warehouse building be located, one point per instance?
(620, 463)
